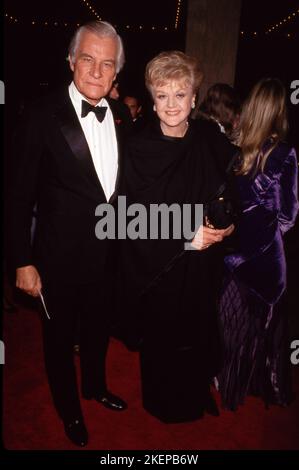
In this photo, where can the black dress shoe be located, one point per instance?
(109, 401)
(76, 432)
(210, 405)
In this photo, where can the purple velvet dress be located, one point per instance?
(254, 325)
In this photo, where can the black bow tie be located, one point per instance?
(99, 111)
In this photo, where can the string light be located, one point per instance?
(42, 23)
(92, 9)
(62, 23)
(177, 14)
(291, 16)
(269, 30)
(275, 26)
(255, 35)
(11, 18)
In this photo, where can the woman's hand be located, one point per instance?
(208, 235)
(228, 230)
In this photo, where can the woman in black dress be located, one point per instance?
(172, 292)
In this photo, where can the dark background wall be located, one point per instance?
(35, 54)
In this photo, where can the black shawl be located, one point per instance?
(160, 169)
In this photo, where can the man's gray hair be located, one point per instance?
(101, 29)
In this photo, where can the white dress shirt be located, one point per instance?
(101, 139)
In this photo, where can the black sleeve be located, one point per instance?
(26, 154)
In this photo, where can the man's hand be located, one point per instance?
(28, 280)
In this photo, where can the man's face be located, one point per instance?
(132, 104)
(94, 66)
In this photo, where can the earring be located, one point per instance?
(193, 105)
(154, 108)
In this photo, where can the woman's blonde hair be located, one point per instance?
(173, 65)
(263, 118)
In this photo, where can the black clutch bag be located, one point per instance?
(220, 212)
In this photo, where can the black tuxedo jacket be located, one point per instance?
(54, 169)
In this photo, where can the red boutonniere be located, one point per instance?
(117, 121)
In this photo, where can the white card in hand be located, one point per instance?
(44, 304)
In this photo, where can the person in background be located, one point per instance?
(135, 108)
(174, 160)
(114, 93)
(68, 152)
(222, 105)
(254, 322)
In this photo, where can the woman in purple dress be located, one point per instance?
(254, 324)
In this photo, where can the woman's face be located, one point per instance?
(173, 103)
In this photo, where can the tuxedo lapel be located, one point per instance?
(74, 135)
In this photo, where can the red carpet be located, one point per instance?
(30, 422)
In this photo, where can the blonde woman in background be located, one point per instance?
(254, 324)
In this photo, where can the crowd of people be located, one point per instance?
(204, 308)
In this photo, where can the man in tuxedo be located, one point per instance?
(68, 161)
(135, 108)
